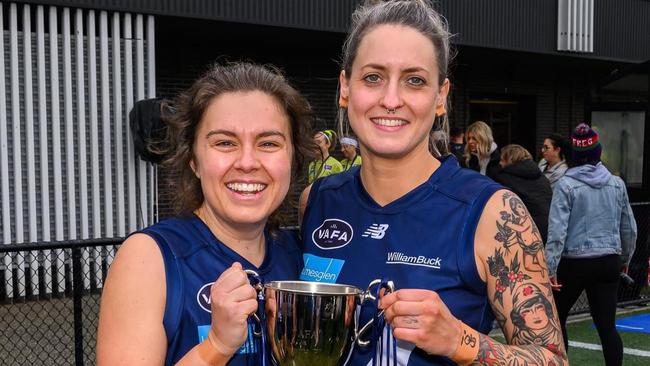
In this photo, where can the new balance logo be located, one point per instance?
(376, 231)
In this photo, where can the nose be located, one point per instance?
(248, 159)
(392, 98)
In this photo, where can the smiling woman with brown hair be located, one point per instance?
(176, 292)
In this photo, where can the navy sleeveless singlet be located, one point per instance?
(424, 240)
(194, 258)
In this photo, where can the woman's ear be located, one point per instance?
(442, 98)
(193, 167)
(344, 90)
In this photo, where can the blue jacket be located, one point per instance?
(590, 217)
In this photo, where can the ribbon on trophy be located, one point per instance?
(257, 321)
(379, 326)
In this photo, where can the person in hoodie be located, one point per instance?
(553, 163)
(591, 238)
(520, 173)
(481, 152)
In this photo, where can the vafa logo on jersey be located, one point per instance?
(203, 297)
(332, 234)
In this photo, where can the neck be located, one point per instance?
(553, 160)
(246, 240)
(387, 179)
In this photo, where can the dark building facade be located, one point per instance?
(519, 66)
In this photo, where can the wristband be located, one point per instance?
(468, 346)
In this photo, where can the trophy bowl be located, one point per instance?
(313, 323)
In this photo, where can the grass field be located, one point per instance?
(583, 331)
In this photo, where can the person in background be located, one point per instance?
(520, 173)
(350, 149)
(446, 236)
(553, 163)
(177, 293)
(457, 144)
(591, 239)
(324, 164)
(481, 152)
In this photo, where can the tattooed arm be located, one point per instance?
(518, 288)
(510, 260)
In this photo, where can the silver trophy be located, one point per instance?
(312, 323)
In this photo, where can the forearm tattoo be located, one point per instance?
(493, 353)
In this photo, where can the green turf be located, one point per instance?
(583, 331)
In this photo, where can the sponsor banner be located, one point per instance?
(319, 269)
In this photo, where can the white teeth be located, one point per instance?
(389, 122)
(246, 187)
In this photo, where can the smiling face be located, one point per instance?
(242, 156)
(395, 69)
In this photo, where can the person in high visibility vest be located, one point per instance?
(327, 164)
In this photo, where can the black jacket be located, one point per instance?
(527, 181)
(493, 166)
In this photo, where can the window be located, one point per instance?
(621, 134)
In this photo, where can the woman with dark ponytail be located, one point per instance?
(449, 238)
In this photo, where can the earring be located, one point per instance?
(343, 101)
(441, 110)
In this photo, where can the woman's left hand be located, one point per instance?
(422, 318)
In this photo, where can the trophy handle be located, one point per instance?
(256, 282)
(389, 286)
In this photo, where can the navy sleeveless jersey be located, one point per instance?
(424, 239)
(194, 258)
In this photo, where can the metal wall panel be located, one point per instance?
(621, 28)
(49, 75)
(326, 15)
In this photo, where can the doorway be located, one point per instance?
(512, 120)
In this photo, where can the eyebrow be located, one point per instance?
(232, 134)
(407, 70)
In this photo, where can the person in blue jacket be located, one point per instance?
(176, 293)
(591, 239)
(449, 238)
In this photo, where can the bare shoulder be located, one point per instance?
(133, 305)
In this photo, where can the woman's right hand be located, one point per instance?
(233, 299)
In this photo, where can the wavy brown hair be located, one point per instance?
(191, 104)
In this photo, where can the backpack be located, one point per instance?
(148, 129)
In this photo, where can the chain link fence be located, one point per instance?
(49, 301)
(50, 294)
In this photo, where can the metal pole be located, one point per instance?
(77, 286)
